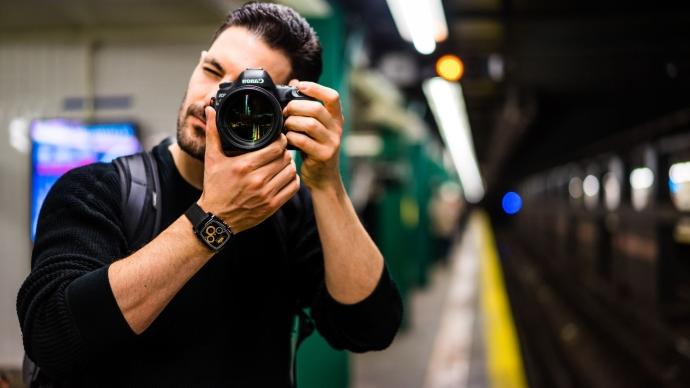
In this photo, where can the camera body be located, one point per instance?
(249, 111)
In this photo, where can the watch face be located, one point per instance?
(215, 234)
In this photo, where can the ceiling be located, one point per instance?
(575, 73)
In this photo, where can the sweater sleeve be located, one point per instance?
(66, 308)
(370, 324)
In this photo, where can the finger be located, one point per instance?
(268, 154)
(285, 193)
(213, 146)
(282, 178)
(329, 97)
(309, 126)
(271, 169)
(309, 109)
(312, 148)
(293, 82)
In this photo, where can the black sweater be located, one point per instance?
(228, 326)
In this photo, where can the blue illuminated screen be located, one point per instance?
(59, 145)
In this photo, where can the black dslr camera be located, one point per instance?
(249, 111)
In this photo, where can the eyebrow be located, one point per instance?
(215, 64)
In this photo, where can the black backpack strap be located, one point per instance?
(141, 199)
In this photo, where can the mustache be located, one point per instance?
(196, 110)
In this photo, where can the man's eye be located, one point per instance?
(212, 71)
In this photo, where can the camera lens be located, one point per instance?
(249, 115)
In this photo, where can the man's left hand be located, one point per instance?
(316, 128)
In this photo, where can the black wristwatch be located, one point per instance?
(211, 230)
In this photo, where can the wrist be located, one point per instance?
(208, 227)
(332, 191)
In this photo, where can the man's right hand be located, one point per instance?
(246, 189)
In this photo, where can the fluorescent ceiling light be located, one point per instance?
(309, 8)
(421, 22)
(448, 106)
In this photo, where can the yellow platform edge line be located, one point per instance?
(504, 359)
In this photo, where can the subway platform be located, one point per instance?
(461, 331)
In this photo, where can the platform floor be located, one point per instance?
(461, 333)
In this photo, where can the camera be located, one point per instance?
(249, 111)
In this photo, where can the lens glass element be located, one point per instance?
(249, 115)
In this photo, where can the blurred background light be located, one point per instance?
(680, 173)
(450, 67)
(512, 203)
(495, 67)
(641, 181)
(575, 188)
(421, 22)
(309, 8)
(19, 135)
(612, 191)
(363, 145)
(679, 185)
(590, 186)
(448, 107)
(641, 178)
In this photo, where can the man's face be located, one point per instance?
(235, 50)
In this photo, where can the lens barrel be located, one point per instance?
(248, 118)
(249, 111)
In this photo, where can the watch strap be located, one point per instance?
(196, 215)
(208, 228)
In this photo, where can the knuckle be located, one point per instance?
(242, 167)
(336, 143)
(313, 124)
(265, 193)
(256, 182)
(275, 152)
(273, 202)
(295, 186)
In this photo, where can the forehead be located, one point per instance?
(237, 49)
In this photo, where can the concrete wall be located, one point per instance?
(37, 72)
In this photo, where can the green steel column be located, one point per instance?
(422, 193)
(397, 215)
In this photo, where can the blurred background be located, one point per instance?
(524, 166)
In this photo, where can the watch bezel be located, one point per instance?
(205, 236)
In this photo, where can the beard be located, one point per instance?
(191, 138)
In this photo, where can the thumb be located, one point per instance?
(213, 146)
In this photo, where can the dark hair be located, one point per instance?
(281, 28)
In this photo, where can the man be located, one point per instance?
(177, 313)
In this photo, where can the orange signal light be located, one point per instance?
(450, 67)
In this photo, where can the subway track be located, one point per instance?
(574, 337)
